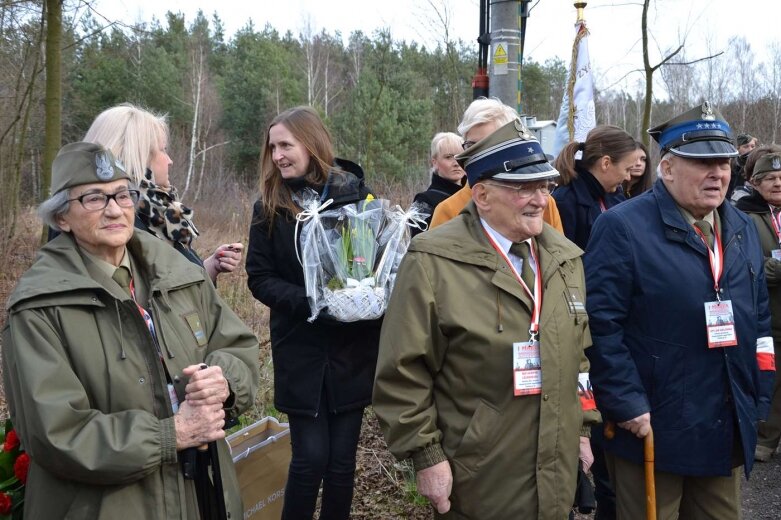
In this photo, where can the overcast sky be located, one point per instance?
(614, 24)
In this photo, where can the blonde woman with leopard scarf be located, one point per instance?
(139, 139)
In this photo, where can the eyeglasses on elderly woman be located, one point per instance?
(96, 201)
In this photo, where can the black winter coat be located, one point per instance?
(579, 205)
(437, 191)
(309, 358)
(187, 251)
(737, 175)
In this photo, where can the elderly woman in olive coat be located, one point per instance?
(118, 356)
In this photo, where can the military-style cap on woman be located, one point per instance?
(763, 206)
(119, 356)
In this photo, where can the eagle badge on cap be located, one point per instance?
(523, 132)
(776, 163)
(707, 112)
(104, 170)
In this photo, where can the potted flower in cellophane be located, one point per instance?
(14, 463)
(339, 253)
(349, 255)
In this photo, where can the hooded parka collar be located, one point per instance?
(59, 275)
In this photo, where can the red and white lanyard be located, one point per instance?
(150, 324)
(716, 256)
(536, 296)
(776, 220)
(602, 206)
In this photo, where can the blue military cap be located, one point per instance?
(699, 133)
(511, 153)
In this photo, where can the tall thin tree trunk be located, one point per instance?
(200, 178)
(53, 103)
(196, 110)
(649, 77)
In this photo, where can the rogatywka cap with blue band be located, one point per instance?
(699, 133)
(511, 153)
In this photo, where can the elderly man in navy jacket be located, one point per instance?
(680, 322)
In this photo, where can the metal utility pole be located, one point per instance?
(480, 80)
(508, 31)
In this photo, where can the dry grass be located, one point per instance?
(16, 254)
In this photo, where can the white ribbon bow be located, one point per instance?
(312, 211)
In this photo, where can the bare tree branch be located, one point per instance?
(692, 62)
(667, 58)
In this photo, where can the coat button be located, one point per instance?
(141, 380)
(545, 397)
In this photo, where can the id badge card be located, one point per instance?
(776, 254)
(720, 322)
(174, 399)
(527, 370)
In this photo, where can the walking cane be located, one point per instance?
(648, 458)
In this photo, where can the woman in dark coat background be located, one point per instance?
(592, 184)
(642, 175)
(447, 176)
(763, 206)
(324, 370)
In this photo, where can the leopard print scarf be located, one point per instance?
(166, 217)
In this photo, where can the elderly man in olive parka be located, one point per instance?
(444, 384)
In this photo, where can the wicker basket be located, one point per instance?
(355, 303)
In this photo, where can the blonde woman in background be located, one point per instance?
(447, 177)
(139, 140)
(481, 118)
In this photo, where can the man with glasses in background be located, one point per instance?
(482, 346)
(481, 118)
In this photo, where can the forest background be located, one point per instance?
(383, 99)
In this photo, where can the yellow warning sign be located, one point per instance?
(500, 55)
(500, 59)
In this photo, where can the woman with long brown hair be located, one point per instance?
(323, 370)
(592, 184)
(641, 174)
